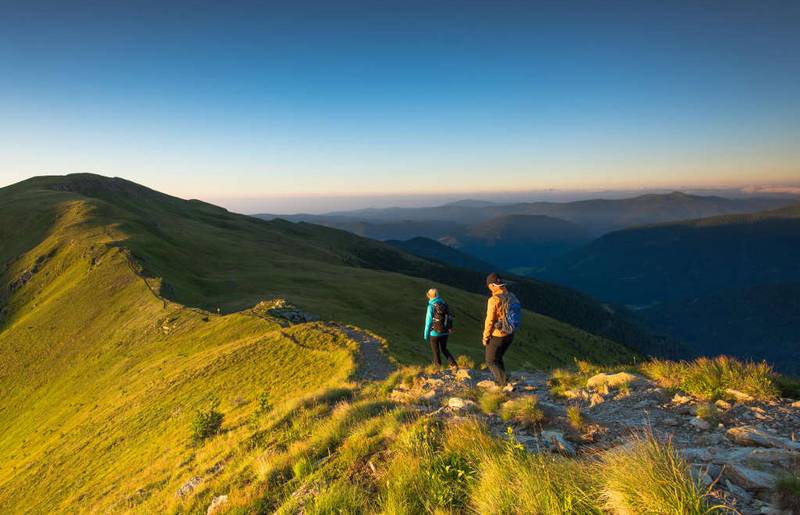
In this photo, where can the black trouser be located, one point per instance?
(439, 343)
(495, 349)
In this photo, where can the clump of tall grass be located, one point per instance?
(533, 483)
(575, 417)
(490, 401)
(465, 361)
(523, 411)
(648, 476)
(710, 378)
(708, 412)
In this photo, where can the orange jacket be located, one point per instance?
(493, 315)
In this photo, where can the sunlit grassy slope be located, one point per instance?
(110, 340)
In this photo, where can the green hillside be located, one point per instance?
(110, 337)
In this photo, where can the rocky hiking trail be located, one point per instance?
(373, 365)
(739, 453)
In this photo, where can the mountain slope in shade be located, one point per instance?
(757, 322)
(519, 240)
(431, 249)
(659, 263)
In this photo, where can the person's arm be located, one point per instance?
(491, 318)
(428, 320)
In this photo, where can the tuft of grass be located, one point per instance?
(710, 378)
(787, 493)
(302, 467)
(523, 410)
(490, 401)
(651, 477)
(575, 417)
(708, 412)
(465, 361)
(341, 498)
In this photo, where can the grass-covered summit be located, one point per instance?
(111, 339)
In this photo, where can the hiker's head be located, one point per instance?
(494, 282)
(433, 293)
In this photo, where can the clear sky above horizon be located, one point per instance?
(252, 100)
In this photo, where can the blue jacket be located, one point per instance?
(429, 320)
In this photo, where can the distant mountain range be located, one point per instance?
(524, 237)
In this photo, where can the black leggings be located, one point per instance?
(439, 343)
(495, 349)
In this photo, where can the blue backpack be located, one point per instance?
(510, 313)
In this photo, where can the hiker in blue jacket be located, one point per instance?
(438, 326)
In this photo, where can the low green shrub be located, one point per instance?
(206, 423)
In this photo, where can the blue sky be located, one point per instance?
(301, 100)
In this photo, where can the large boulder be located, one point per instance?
(748, 478)
(748, 435)
(216, 504)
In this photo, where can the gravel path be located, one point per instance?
(373, 365)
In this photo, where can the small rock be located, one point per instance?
(508, 388)
(643, 404)
(612, 380)
(216, 504)
(596, 399)
(487, 384)
(723, 405)
(679, 399)
(739, 396)
(750, 479)
(429, 395)
(189, 486)
(670, 421)
(796, 404)
(695, 454)
(459, 403)
(555, 440)
(700, 424)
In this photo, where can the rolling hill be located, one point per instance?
(433, 250)
(125, 310)
(519, 240)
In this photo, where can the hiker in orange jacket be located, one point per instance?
(497, 334)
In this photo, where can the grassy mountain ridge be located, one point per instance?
(107, 350)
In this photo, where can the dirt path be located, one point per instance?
(373, 364)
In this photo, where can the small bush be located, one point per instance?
(491, 401)
(465, 361)
(206, 423)
(302, 467)
(787, 386)
(523, 410)
(787, 491)
(575, 417)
